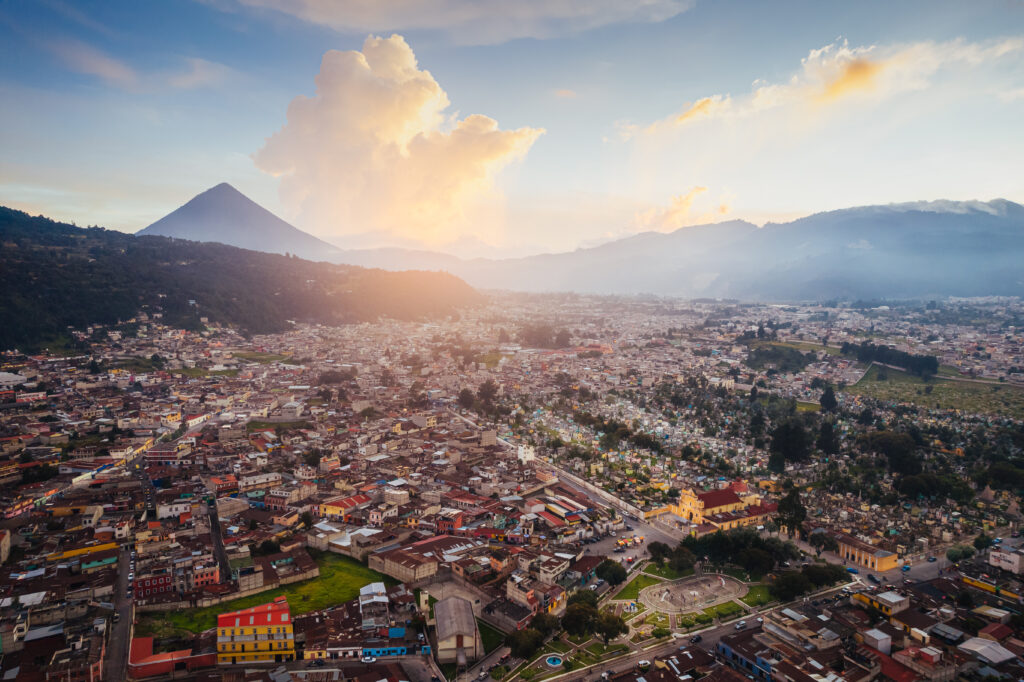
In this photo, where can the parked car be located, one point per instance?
(904, 568)
(695, 639)
(851, 569)
(873, 578)
(932, 559)
(740, 625)
(369, 659)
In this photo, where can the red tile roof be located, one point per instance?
(713, 499)
(274, 613)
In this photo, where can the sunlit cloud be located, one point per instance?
(679, 213)
(476, 21)
(702, 107)
(565, 93)
(374, 150)
(839, 72)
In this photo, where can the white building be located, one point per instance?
(527, 453)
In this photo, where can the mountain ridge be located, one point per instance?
(908, 249)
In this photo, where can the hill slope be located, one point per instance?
(55, 275)
(225, 215)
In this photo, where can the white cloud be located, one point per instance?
(679, 213)
(838, 72)
(373, 150)
(85, 59)
(200, 73)
(91, 61)
(477, 22)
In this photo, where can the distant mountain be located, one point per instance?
(54, 276)
(225, 215)
(920, 249)
(917, 249)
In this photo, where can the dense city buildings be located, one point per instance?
(400, 499)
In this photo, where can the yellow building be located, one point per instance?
(258, 634)
(697, 507)
(864, 554)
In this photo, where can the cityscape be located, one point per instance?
(705, 363)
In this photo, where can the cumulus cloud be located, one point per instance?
(476, 22)
(679, 213)
(839, 72)
(373, 150)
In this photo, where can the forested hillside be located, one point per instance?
(54, 276)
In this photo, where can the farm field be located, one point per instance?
(943, 394)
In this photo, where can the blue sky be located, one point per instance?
(524, 126)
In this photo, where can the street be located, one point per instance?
(120, 631)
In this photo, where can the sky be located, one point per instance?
(488, 127)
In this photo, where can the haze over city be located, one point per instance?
(511, 341)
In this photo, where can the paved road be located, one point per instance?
(117, 643)
(218, 543)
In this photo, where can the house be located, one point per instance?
(458, 637)
(258, 634)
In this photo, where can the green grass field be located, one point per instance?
(726, 610)
(490, 636)
(757, 595)
(339, 581)
(807, 407)
(945, 394)
(633, 587)
(666, 571)
(657, 619)
(804, 346)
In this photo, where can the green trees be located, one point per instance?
(487, 392)
(466, 399)
(579, 619)
(828, 400)
(959, 552)
(610, 626)
(791, 512)
(828, 441)
(524, 643)
(982, 542)
(680, 559)
(612, 572)
(790, 443)
(544, 623)
(823, 542)
(899, 449)
(790, 585)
